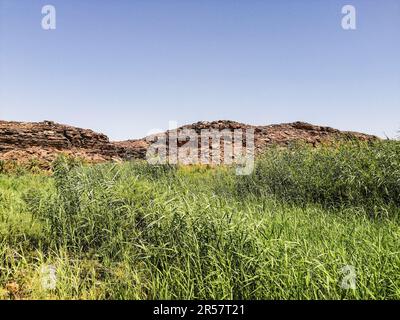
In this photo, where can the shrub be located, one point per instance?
(357, 174)
(94, 208)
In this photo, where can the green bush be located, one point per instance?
(356, 174)
(91, 209)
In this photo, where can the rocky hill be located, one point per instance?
(43, 141)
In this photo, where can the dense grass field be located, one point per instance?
(307, 224)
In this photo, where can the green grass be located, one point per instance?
(134, 231)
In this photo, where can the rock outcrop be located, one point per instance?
(43, 141)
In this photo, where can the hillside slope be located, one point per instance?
(43, 141)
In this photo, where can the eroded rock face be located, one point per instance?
(45, 140)
(284, 134)
(48, 134)
(264, 136)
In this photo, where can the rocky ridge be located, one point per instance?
(43, 141)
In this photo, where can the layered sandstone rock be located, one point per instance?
(224, 131)
(43, 141)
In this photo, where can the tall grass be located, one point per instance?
(134, 231)
(351, 174)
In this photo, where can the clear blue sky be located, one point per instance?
(126, 67)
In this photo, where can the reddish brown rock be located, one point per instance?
(45, 140)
